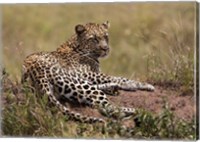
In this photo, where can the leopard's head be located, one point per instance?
(93, 39)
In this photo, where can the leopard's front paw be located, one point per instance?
(149, 87)
(144, 86)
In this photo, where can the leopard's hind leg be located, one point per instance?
(93, 97)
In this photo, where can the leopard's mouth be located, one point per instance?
(104, 53)
(100, 54)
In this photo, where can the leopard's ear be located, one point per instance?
(106, 24)
(79, 29)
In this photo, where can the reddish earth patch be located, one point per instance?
(182, 106)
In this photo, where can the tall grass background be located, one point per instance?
(144, 37)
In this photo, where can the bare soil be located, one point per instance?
(183, 106)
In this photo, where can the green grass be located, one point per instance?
(154, 42)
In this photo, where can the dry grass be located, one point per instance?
(136, 31)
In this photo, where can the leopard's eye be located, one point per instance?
(93, 38)
(96, 39)
(106, 38)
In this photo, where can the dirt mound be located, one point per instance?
(183, 106)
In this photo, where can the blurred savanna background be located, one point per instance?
(152, 42)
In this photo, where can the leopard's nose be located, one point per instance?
(104, 45)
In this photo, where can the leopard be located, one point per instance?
(72, 73)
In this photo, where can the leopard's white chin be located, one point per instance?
(104, 54)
